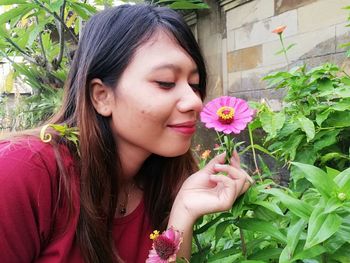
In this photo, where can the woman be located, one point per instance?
(134, 92)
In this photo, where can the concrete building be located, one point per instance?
(240, 48)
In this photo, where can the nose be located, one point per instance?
(190, 100)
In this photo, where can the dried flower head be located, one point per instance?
(165, 246)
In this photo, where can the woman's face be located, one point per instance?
(156, 100)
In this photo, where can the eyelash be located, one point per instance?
(166, 85)
(169, 85)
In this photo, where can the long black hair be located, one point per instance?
(105, 49)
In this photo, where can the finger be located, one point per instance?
(219, 159)
(232, 172)
(237, 174)
(235, 160)
(233, 187)
(247, 184)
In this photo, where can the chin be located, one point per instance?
(174, 152)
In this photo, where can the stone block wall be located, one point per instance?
(240, 48)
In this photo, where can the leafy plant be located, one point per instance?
(271, 223)
(314, 125)
(309, 221)
(38, 38)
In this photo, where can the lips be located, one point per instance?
(187, 128)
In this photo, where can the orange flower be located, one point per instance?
(279, 30)
(205, 154)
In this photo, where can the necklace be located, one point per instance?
(122, 206)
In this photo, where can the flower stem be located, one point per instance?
(253, 151)
(198, 244)
(244, 247)
(284, 50)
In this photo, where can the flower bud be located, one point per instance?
(250, 214)
(341, 196)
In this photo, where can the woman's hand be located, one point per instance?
(209, 191)
(204, 192)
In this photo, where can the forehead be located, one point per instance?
(163, 48)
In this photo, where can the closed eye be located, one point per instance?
(195, 87)
(166, 85)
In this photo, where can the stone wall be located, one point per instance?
(240, 48)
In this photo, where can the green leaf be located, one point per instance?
(290, 46)
(343, 105)
(224, 256)
(307, 126)
(321, 226)
(265, 255)
(16, 12)
(332, 172)
(269, 205)
(342, 254)
(310, 253)
(9, 82)
(333, 155)
(343, 92)
(56, 5)
(338, 119)
(83, 10)
(13, 2)
(321, 117)
(258, 147)
(293, 235)
(343, 181)
(296, 206)
(327, 139)
(291, 145)
(272, 122)
(256, 225)
(35, 32)
(220, 229)
(325, 84)
(320, 180)
(187, 5)
(204, 228)
(332, 205)
(288, 128)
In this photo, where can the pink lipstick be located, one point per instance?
(187, 128)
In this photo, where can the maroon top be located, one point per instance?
(28, 193)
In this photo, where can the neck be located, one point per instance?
(131, 159)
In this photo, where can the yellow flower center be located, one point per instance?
(226, 114)
(154, 235)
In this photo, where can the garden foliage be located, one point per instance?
(38, 38)
(309, 221)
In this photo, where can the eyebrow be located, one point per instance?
(173, 67)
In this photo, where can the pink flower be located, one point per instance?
(165, 247)
(227, 114)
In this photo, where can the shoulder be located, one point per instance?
(28, 163)
(29, 186)
(30, 152)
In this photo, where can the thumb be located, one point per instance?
(219, 159)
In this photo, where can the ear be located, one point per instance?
(102, 97)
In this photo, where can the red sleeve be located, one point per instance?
(27, 198)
